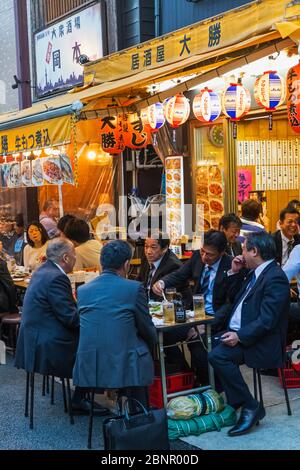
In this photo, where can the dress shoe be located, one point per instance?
(84, 408)
(248, 418)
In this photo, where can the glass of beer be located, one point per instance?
(199, 307)
(170, 293)
(168, 312)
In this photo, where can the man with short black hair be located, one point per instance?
(257, 323)
(287, 237)
(251, 210)
(231, 225)
(49, 217)
(116, 329)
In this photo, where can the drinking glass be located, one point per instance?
(168, 312)
(199, 307)
(170, 293)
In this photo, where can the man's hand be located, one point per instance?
(158, 287)
(237, 264)
(293, 294)
(230, 338)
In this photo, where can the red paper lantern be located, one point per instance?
(134, 134)
(110, 135)
(269, 90)
(293, 97)
(177, 110)
(236, 101)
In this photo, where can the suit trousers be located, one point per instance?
(294, 311)
(226, 361)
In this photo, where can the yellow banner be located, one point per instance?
(37, 135)
(210, 35)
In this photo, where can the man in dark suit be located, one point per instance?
(7, 290)
(116, 329)
(208, 270)
(287, 237)
(231, 225)
(256, 327)
(48, 336)
(159, 262)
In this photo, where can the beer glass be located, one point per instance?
(199, 307)
(168, 312)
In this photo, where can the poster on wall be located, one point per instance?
(209, 195)
(244, 184)
(174, 198)
(60, 48)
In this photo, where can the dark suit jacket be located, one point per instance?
(264, 318)
(236, 248)
(278, 242)
(7, 290)
(116, 334)
(48, 336)
(192, 270)
(168, 264)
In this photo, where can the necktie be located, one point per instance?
(251, 281)
(289, 247)
(150, 275)
(205, 280)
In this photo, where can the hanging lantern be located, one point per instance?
(145, 120)
(293, 97)
(177, 110)
(110, 135)
(156, 117)
(236, 101)
(207, 106)
(134, 134)
(269, 90)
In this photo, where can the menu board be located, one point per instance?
(274, 161)
(209, 195)
(174, 198)
(38, 172)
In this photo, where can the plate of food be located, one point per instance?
(52, 170)
(216, 206)
(215, 189)
(215, 222)
(202, 190)
(14, 179)
(204, 203)
(214, 173)
(26, 172)
(37, 172)
(66, 169)
(176, 176)
(206, 224)
(155, 308)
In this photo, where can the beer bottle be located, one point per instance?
(180, 316)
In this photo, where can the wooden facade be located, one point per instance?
(45, 12)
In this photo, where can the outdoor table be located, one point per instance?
(164, 328)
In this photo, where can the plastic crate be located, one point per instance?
(291, 371)
(174, 382)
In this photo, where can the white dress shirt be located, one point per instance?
(235, 322)
(292, 266)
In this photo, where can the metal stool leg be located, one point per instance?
(52, 390)
(47, 385)
(44, 386)
(27, 395)
(89, 445)
(70, 402)
(31, 400)
(254, 384)
(285, 392)
(261, 398)
(64, 395)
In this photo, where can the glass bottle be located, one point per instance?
(180, 315)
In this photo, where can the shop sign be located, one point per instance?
(244, 184)
(59, 47)
(34, 136)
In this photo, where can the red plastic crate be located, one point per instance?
(292, 378)
(175, 383)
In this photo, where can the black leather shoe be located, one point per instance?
(248, 418)
(84, 407)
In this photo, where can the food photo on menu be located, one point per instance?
(26, 173)
(52, 170)
(66, 169)
(5, 170)
(14, 177)
(37, 172)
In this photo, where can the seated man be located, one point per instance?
(287, 237)
(87, 250)
(292, 269)
(231, 225)
(7, 290)
(48, 336)
(116, 329)
(257, 323)
(49, 217)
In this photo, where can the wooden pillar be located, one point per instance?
(230, 169)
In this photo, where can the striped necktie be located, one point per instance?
(150, 276)
(289, 247)
(205, 281)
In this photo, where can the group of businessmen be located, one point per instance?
(246, 295)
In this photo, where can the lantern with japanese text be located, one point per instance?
(177, 110)
(156, 117)
(207, 106)
(293, 97)
(134, 134)
(269, 92)
(110, 135)
(236, 101)
(145, 119)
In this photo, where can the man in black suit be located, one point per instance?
(7, 290)
(159, 262)
(231, 225)
(256, 327)
(287, 237)
(208, 270)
